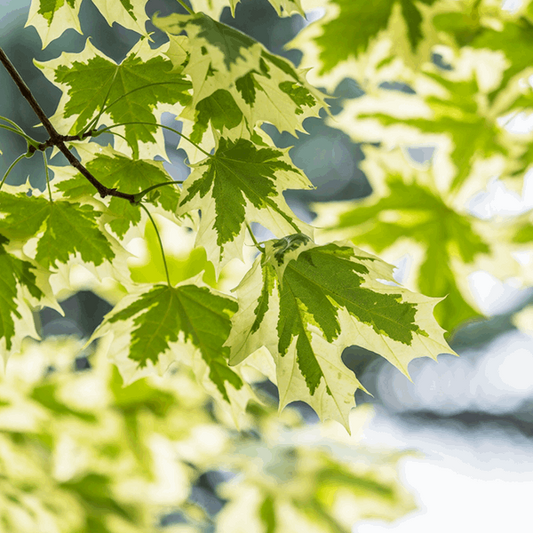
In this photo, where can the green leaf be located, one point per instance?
(219, 108)
(130, 14)
(512, 37)
(240, 183)
(313, 479)
(128, 175)
(95, 490)
(265, 87)
(214, 9)
(319, 300)
(67, 228)
(15, 275)
(186, 314)
(370, 20)
(445, 242)
(136, 90)
(461, 114)
(52, 17)
(45, 394)
(287, 7)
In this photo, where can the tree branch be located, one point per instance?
(56, 139)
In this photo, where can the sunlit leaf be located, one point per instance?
(136, 90)
(291, 291)
(52, 17)
(115, 170)
(230, 70)
(241, 183)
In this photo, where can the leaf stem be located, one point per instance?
(14, 124)
(11, 167)
(257, 245)
(160, 243)
(47, 175)
(18, 131)
(139, 195)
(55, 138)
(184, 6)
(155, 124)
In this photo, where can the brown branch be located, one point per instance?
(56, 139)
(65, 138)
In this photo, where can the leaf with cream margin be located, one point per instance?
(392, 34)
(406, 214)
(228, 68)
(138, 89)
(52, 18)
(370, 22)
(241, 182)
(158, 325)
(130, 14)
(460, 113)
(489, 27)
(128, 175)
(214, 8)
(321, 492)
(19, 284)
(58, 236)
(62, 228)
(305, 303)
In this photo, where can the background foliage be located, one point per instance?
(436, 83)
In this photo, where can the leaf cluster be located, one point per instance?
(298, 305)
(211, 312)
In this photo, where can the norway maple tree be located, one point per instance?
(208, 331)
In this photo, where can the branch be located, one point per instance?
(57, 139)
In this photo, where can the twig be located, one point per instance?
(57, 139)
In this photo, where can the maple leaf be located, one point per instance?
(16, 273)
(128, 175)
(240, 182)
(160, 325)
(248, 81)
(512, 37)
(449, 241)
(67, 228)
(51, 19)
(220, 109)
(310, 475)
(461, 115)
(287, 7)
(130, 14)
(132, 91)
(319, 300)
(402, 19)
(214, 9)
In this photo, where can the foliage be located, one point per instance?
(224, 312)
(81, 453)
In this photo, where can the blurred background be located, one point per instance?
(471, 417)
